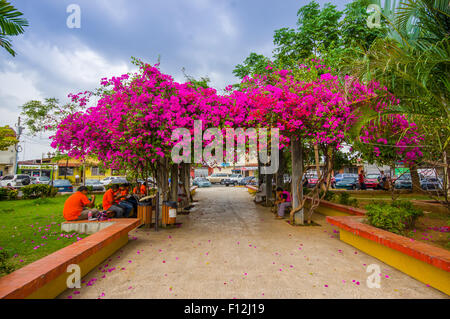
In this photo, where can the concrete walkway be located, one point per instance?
(228, 247)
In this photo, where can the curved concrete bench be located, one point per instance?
(426, 263)
(193, 189)
(333, 209)
(252, 189)
(47, 277)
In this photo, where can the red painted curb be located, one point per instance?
(434, 256)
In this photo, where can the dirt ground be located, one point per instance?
(228, 247)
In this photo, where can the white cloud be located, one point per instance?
(45, 70)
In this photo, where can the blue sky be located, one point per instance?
(206, 37)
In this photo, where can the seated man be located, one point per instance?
(261, 194)
(284, 202)
(122, 200)
(144, 189)
(137, 189)
(109, 200)
(78, 206)
(182, 197)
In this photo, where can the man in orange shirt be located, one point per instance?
(77, 206)
(122, 200)
(137, 189)
(143, 189)
(109, 202)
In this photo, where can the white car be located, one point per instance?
(234, 179)
(43, 180)
(109, 179)
(19, 180)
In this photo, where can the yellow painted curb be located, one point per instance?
(420, 270)
(59, 285)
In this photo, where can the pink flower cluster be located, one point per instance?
(132, 123)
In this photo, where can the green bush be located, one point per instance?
(329, 196)
(344, 199)
(395, 217)
(38, 191)
(5, 266)
(8, 194)
(411, 214)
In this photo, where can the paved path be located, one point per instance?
(228, 247)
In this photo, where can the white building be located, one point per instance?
(8, 161)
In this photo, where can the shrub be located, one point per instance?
(344, 199)
(5, 266)
(8, 194)
(13, 194)
(394, 217)
(329, 196)
(411, 214)
(38, 191)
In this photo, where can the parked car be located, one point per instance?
(234, 180)
(15, 181)
(97, 186)
(428, 183)
(119, 180)
(63, 185)
(312, 179)
(403, 182)
(347, 183)
(109, 179)
(33, 180)
(196, 180)
(371, 180)
(253, 181)
(43, 180)
(202, 182)
(339, 177)
(246, 180)
(217, 178)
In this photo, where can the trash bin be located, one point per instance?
(169, 213)
(144, 212)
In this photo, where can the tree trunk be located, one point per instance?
(446, 180)
(297, 174)
(415, 179)
(162, 178)
(269, 178)
(281, 170)
(174, 183)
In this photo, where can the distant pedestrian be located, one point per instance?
(361, 179)
(382, 180)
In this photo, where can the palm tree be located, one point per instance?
(11, 24)
(413, 61)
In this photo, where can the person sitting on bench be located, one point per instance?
(122, 200)
(109, 200)
(261, 194)
(78, 206)
(284, 202)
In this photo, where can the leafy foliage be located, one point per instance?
(38, 191)
(8, 194)
(394, 217)
(344, 199)
(5, 266)
(7, 138)
(11, 24)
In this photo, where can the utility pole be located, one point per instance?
(17, 146)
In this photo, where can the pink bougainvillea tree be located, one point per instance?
(131, 125)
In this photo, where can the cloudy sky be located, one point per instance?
(206, 37)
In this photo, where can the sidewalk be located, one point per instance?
(228, 247)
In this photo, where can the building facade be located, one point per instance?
(8, 161)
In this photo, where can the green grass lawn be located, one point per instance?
(31, 229)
